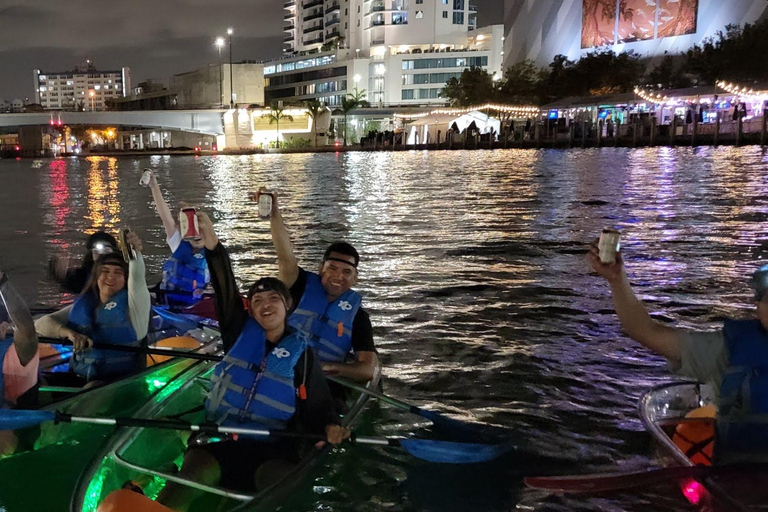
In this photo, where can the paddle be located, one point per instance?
(434, 417)
(426, 449)
(603, 482)
(138, 350)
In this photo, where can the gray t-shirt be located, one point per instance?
(704, 357)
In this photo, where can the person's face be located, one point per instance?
(269, 309)
(337, 277)
(111, 280)
(6, 329)
(197, 244)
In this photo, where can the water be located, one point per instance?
(474, 274)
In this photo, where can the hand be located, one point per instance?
(207, 233)
(608, 271)
(335, 434)
(254, 196)
(58, 266)
(5, 328)
(330, 368)
(134, 241)
(79, 341)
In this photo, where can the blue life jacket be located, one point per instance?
(743, 409)
(110, 323)
(185, 270)
(319, 320)
(5, 344)
(246, 371)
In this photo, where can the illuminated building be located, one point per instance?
(84, 88)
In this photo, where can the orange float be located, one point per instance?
(124, 500)
(176, 342)
(696, 436)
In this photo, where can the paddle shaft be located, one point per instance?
(381, 396)
(140, 350)
(213, 428)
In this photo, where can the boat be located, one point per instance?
(152, 456)
(681, 418)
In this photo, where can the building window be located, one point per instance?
(358, 23)
(407, 94)
(445, 14)
(358, 8)
(419, 1)
(400, 18)
(346, 12)
(419, 15)
(458, 5)
(458, 18)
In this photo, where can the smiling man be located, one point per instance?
(327, 310)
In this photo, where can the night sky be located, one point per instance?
(155, 38)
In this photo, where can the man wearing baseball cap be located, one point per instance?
(733, 359)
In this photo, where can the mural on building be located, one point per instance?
(605, 22)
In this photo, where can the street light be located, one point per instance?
(219, 43)
(231, 85)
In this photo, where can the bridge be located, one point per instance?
(209, 122)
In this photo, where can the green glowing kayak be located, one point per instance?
(150, 456)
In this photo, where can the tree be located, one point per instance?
(350, 102)
(667, 75)
(521, 83)
(315, 109)
(275, 115)
(473, 87)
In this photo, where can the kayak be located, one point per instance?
(681, 418)
(152, 457)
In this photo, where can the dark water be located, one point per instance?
(474, 274)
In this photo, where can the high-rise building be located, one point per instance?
(539, 30)
(398, 51)
(84, 88)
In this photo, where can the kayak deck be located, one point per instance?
(680, 416)
(151, 457)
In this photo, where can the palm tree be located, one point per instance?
(352, 101)
(315, 109)
(275, 115)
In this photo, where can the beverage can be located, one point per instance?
(125, 247)
(188, 224)
(609, 245)
(265, 204)
(146, 177)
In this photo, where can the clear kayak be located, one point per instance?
(681, 418)
(152, 456)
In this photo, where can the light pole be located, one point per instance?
(219, 43)
(231, 85)
(91, 94)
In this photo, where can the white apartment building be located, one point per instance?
(84, 88)
(401, 52)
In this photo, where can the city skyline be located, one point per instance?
(155, 39)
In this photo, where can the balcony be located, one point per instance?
(288, 16)
(312, 3)
(312, 29)
(288, 28)
(332, 34)
(332, 22)
(314, 16)
(289, 3)
(314, 41)
(287, 39)
(331, 8)
(376, 23)
(472, 7)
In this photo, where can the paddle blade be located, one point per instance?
(453, 453)
(180, 322)
(12, 419)
(459, 428)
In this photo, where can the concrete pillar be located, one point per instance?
(653, 131)
(695, 132)
(599, 132)
(717, 129)
(739, 129)
(584, 133)
(672, 130)
(537, 134)
(763, 134)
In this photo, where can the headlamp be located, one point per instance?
(102, 248)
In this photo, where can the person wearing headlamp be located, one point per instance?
(328, 311)
(73, 280)
(733, 359)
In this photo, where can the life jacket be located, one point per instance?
(328, 325)
(187, 271)
(104, 323)
(743, 410)
(254, 388)
(5, 344)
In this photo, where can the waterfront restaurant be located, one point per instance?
(711, 107)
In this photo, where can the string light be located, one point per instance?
(657, 98)
(744, 92)
(507, 109)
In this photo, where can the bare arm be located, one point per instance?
(162, 207)
(25, 337)
(286, 260)
(54, 324)
(634, 318)
(362, 369)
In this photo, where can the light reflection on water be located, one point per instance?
(473, 271)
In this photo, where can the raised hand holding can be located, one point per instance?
(609, 245)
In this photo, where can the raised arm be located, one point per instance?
(25, 337)
(634, 318)
(229, 302)
(162, 207)
(286, 260)
(139, 301)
